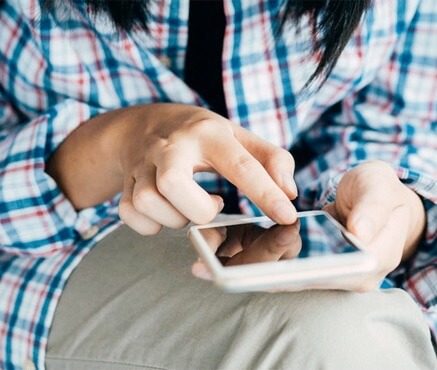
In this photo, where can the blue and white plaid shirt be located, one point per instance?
(58, 71)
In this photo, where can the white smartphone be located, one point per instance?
(255, 254)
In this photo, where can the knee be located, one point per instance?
(337, 329)
(347, 318)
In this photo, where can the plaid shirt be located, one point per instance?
(58, 71)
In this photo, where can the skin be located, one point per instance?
(150, 153)
(388, 217)
(375, 206)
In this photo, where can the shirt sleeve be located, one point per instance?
(393, 119)
(35, 217)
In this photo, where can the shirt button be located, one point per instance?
(91, 232)
(29, 365)
(166, 62)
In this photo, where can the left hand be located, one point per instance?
(383, 213)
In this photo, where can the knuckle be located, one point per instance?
(203, 127)
(283, 156)
(170, 147)
(124, 210)
(156, 143)
(372, 169)
(279, 159)
(144, 199)
(168, 180)
(272, 194)
(274, 249)
(243, 164)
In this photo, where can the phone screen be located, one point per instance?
(310, 236)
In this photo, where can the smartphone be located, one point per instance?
(255, 254)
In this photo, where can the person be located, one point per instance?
(170, 112)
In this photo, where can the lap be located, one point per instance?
(133, 303)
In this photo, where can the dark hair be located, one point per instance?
(333, 22)
(124, 13)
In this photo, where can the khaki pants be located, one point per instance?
(133, 304)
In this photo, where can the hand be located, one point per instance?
(150, 152)
(159, 156)
(377, 208)
(384, 214)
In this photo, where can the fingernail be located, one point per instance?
(289, 183)
(284, 212)
(364, 229)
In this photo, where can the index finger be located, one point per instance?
(239, 166)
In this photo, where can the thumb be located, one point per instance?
(331, 208)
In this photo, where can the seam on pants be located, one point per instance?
(85, 360)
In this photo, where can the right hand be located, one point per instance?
(163, 147)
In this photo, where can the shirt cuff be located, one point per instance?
(36, 217)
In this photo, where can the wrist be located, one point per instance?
(85, 165)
